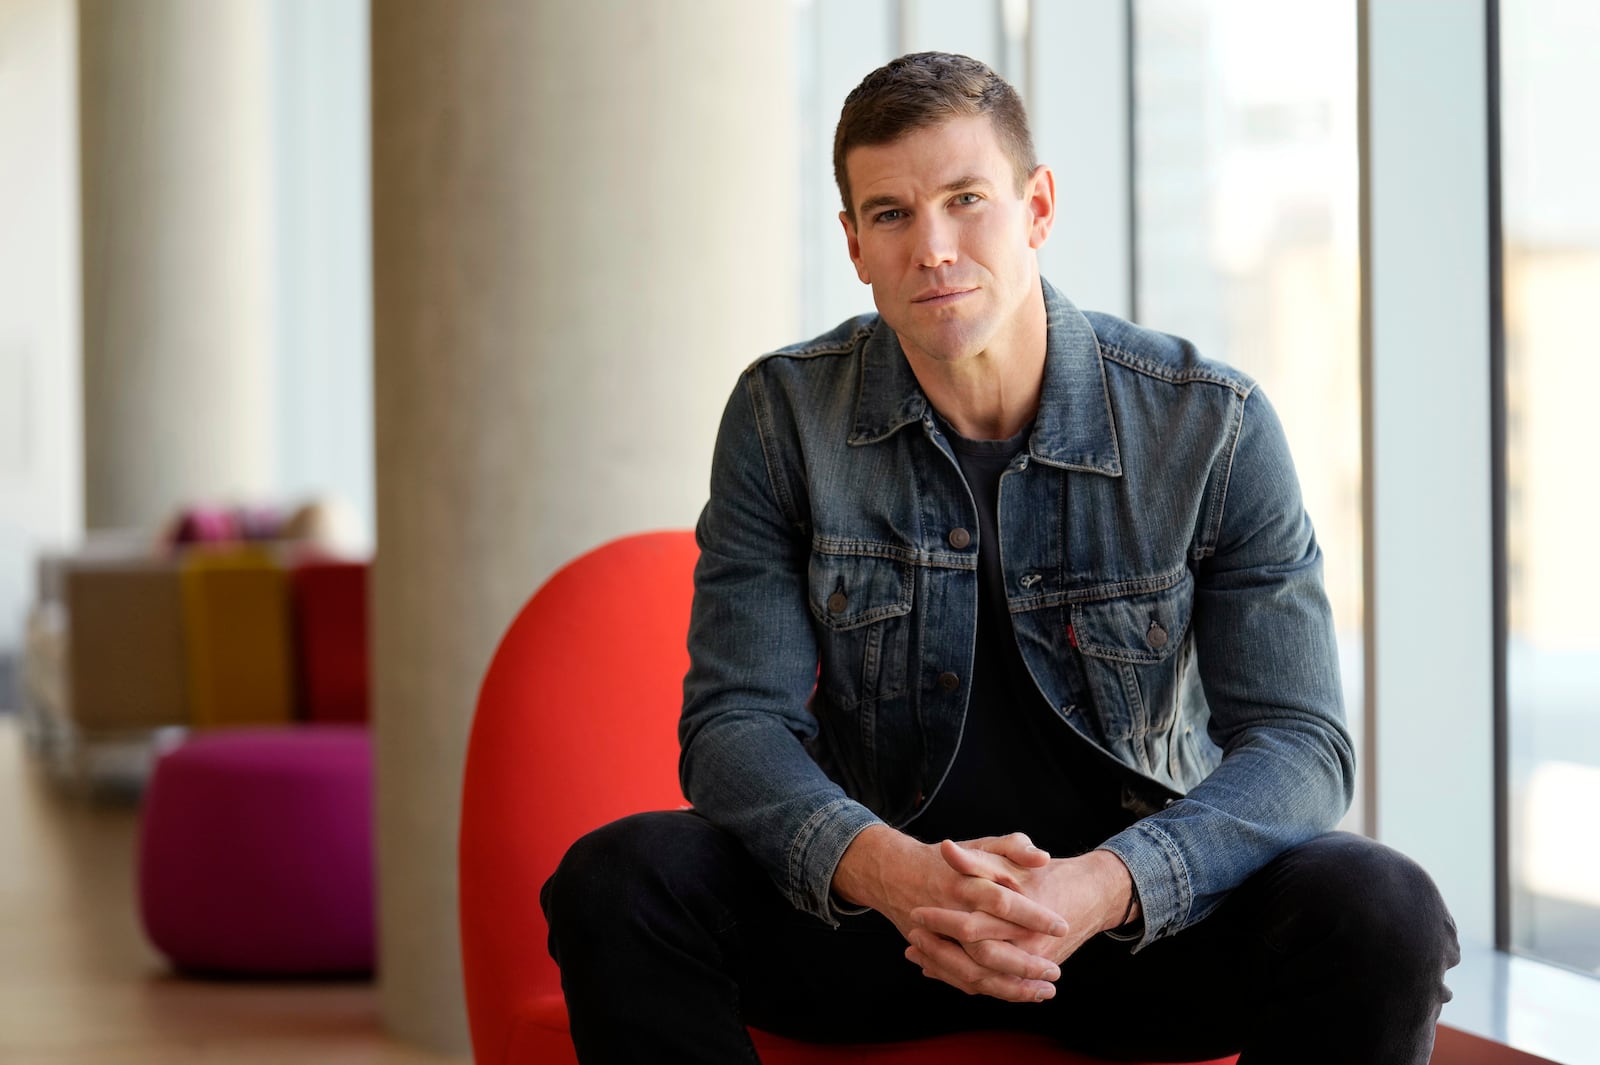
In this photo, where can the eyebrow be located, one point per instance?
(966, 181)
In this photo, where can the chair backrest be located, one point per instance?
(123, 653)
(236, 633)
(329, 597)
(576, 726)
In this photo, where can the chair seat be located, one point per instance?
(542, 1037)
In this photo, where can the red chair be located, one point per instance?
(577, 726)
(330, 624)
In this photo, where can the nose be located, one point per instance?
(934, 240)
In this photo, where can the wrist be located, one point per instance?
(1120, 893)
(858, 878)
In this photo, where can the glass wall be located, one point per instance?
(323, 271)
(837, 43)
(1550, 162)
(1247, 235)
(1246, 207)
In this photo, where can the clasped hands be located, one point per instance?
(994, 916)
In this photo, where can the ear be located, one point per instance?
(1040, 194)
(853, 243)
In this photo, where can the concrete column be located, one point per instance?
(584, 226)
(177, 292)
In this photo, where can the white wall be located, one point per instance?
(41, 482)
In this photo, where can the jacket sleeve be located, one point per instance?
(1268, 662)
(744, 763)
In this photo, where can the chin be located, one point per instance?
(950, 351)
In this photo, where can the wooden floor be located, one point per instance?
(80, 986)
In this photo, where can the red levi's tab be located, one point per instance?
(1072, 636)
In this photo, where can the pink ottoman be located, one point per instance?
(256, 852)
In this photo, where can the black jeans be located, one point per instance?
(670, 940)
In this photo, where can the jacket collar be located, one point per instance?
(1074, 428)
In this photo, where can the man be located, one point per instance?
(982, 567)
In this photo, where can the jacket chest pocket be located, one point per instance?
(862, 607)
(1130, 647)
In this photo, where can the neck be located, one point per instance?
(991, 395)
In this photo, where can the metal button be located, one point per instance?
(837, 602)
(949, 681)
(960, 539)
(1155, 635)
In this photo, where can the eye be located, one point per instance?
(894, 214)
(968, 198)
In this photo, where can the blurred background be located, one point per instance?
(479, 277)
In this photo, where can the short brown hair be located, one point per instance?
(921, 90)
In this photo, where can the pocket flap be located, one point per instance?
(851, 590)
(1145, 627)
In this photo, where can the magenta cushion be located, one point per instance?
(256, 852)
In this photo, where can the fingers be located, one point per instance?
(945, 960)
(971, 928)
(1009, 904)
(996, 944)
(1016, 847)
(972, 861)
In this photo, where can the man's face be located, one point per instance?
(943, 238)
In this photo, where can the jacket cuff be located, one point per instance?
(815, 853)
(1160, 876)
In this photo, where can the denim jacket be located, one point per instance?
(1164, 584)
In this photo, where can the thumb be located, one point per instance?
(970, 860)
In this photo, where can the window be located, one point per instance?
(1247, 230)
(1550, 161)
(837, 42)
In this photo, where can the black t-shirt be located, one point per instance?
(1019, 766)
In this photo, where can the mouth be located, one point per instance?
(937, 297)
